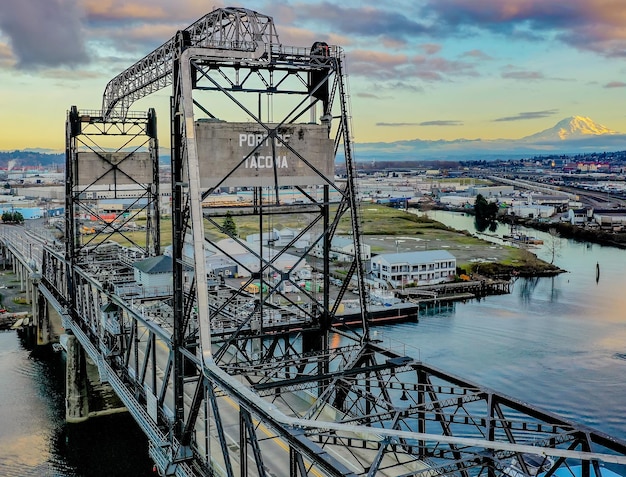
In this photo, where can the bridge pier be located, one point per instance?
(41, 318)
(7, 258)
(28, 286)
(76, 398)
(19, 270)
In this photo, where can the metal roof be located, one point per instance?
(153, 265)
(416, 257)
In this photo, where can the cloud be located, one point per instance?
(589, 25)
(363, 21)
(442, 122)
(295, 36)
(112, 10)
(392, 66)
(430, 48)
(523, 75)
(379, 65)
(6, 56)
(70, 75)
(396, 124)
(367, 95)
(132, 11)
(529, 115)
(132, 42)
(45, 33)
(398, 85)
(392, 43)
(615, 84)
(476, 54)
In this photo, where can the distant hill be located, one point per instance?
(570, 136)
(19, 159)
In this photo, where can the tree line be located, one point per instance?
(12, 218)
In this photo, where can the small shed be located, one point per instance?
(154, 271)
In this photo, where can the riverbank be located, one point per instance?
(567, 230)
(564, 229)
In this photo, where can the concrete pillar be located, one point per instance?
(23, 279)
(30, 286)
(34, 302)
(76, 397)
(41, 313)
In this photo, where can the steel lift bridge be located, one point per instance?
(245, 377)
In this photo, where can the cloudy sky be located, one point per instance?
(427, 69)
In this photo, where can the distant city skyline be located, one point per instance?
(419, 69)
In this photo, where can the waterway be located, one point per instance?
(558, 343)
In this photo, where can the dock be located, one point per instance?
(425, 298)
(456, 290)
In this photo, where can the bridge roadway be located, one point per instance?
(275, 417)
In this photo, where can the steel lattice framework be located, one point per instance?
(94, 170)
(225, 381)
(236, 32)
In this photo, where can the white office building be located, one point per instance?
(419, 268)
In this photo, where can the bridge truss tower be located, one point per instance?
(115, 159)
(244, 376)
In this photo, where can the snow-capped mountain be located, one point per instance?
(576, 134)
(574, 127)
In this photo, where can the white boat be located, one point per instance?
(17, 324)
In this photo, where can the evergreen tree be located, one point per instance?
(12, 217)
(485, 213)
(229, 225)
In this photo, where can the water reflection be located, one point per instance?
(555, 291)
(527, 287)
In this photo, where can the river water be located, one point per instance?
(34, 438)
(559, 343)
